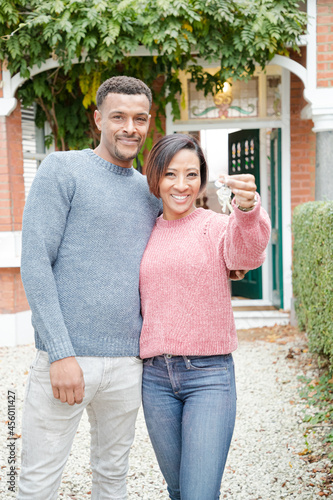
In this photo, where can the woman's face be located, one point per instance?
(180, 185)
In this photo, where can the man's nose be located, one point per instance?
(129, 126)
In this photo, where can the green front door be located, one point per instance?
(244, 159)
(276, 217)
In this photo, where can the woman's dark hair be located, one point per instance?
(162, 153)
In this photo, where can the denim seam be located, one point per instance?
(97, 455)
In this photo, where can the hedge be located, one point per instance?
(313, 274)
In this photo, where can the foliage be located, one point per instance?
(318, 394)
(100, 34)
(313, 274)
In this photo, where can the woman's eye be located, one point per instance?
(193, 174)
(169, 174)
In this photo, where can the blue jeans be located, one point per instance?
(189, 404)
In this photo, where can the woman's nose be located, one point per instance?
(181, 184)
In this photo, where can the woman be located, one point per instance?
(188, 333)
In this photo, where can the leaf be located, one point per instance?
(306, 451)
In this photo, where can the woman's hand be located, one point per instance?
(244, 188)
(237, 275)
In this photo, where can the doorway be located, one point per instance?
(244, 153)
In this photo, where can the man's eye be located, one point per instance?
(141, 120)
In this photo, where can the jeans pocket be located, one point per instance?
(41, 362)
(136, 359)
(148, 361)
(209, 363)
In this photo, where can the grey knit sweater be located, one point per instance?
(86, 224)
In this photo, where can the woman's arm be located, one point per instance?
(248, 230)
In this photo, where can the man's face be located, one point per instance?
(123, 121)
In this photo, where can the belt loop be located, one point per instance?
(187, 362)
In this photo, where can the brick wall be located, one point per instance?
(11, 172)
(303, 143)
(324, 43)
(12, 296)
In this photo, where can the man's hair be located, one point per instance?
(122, 85)
(162, 154)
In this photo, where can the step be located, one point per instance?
(259, 318)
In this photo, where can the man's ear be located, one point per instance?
(98, 119)
(149, 117)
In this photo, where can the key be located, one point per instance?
(224, 196)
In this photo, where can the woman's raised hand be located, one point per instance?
(243, 186)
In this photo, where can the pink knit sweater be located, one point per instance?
(185, 296)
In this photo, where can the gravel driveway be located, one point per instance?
(263, 463)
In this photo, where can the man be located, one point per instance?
(87, 220)
(86, 223)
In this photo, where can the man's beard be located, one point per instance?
(123, 157)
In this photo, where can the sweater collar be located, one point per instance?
(109, 166)
(162, 223)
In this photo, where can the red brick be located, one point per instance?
(325, 75)
(324, 38)
(5, 203)
(12, 296)
(323, 83)
(5, 220)
(323, 9)
(323, 28)
(325, 56)
(324, 20)
(322, 66)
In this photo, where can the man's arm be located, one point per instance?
(44, 223)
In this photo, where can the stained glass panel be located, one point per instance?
(274, 95)
(238, 100)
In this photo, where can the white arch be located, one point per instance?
(292, 66)
(11, 84)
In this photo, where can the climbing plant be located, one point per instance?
(103, 36)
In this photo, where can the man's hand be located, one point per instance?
(67, 380)
(237, 275)
(243, 186)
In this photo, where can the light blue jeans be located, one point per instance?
(112, 399)
(189, 404)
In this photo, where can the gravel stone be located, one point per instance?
(263, 462)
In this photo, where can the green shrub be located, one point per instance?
(313, 274)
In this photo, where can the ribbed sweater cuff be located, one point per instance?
(249, 218)
(57, 350)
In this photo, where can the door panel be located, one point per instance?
(244, 159)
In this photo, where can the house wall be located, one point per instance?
(12, 297)
(302, 143)
(324, 43)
